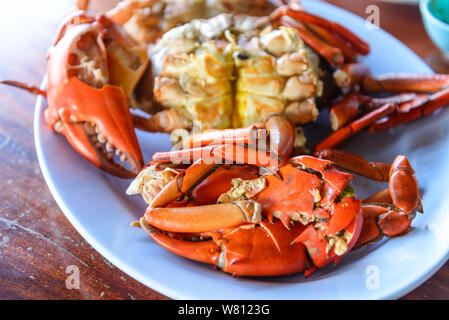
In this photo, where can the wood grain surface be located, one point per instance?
(37, 243)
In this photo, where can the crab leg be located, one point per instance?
(418, 101)
(380, 197)
(345, 160)
(332, 54)
(228, 144)
(204, 218)
(370, 230)
(334, 40)
(344, 133)
(370, 104)
(380, 221)
(202, 251)
(354, 72)
(394, 208)
(407, 82)
(403, 187)
(82, 4)
(436, 101)
(276, 127)
(344, 111)
(390, 211)
(265, 250)
(219, 154)
(30, 89)
(248, 135)
(361, 46)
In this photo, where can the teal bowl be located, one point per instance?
(434, 12)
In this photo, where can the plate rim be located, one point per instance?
(156, 285)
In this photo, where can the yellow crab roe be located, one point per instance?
(221, 73)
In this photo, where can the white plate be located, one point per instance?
(96, 204)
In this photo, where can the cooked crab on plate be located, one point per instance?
(234, 82)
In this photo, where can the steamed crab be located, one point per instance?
(258, 212)
(248, 74)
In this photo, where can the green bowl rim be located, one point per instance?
(427, 13)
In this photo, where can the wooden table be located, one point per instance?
(37, 243)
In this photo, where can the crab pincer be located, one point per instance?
(89, 87)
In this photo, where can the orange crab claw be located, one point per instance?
(403, 186)
(261, 250)
(84, 102)
(370, 230)
(202, 251)
(379, 221)
(391, 211)
(82, 109)
(403, 190)
(204, 218)
(394, 223)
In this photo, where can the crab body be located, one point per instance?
(226, 72)
(296, 215)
